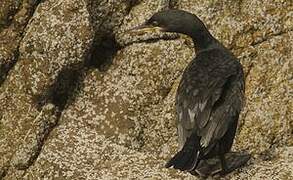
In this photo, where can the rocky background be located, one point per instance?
(82, 99)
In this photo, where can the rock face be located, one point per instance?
(13, 20)
(82, 99)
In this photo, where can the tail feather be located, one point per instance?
(188, 158)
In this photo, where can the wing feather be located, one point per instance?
(208, 96)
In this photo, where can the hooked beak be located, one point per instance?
(144, 28)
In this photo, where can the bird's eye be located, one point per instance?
(155, 23)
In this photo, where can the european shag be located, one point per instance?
(210, 94)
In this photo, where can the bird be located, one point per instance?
(210, 95)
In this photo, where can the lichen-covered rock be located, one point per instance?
(64, 116)
(43, 53)
(57, 42)
(268, 112)
(110, 105)
(33, 141)
(14, 16)
(7, 9)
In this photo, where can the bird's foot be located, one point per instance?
(213, 167)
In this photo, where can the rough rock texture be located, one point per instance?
(13, 20)
(83, 99)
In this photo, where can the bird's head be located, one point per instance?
(177, 21)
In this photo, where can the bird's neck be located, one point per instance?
(203, 39)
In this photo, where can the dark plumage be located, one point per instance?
(210, 95)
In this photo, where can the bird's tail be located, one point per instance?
(188, 158)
